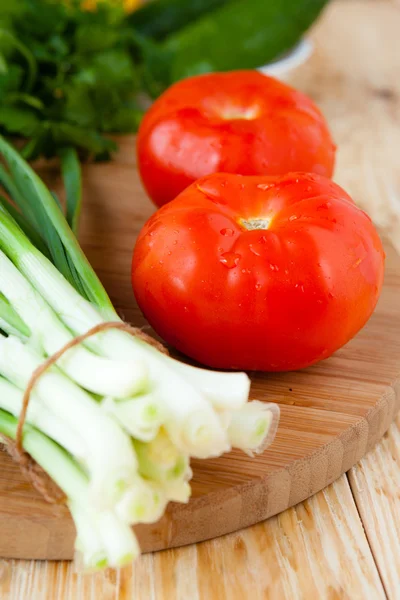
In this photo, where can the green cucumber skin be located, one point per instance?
(159, 18)
(241, 35)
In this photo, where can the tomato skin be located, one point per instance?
(272, 299)
(238, 122)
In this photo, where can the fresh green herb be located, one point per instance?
(240, 34)
(66, 76)
(70, 76)
(160, 18)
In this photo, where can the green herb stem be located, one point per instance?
(27, 54)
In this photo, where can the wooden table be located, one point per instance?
(345, 541)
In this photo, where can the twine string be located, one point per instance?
(39, 478)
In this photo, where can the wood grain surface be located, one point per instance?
(375, 486)
(318, 549)
(331, 413)
(280, 558)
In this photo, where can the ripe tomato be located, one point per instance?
(237, 122)
(266, 273)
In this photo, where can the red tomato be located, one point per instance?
(265, 273)
(237, 122)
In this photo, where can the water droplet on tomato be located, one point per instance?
(230, 259)
(309, 188)
(161, 262)
(263, 239)
(175, 242)
(258, 286)
(253, 250)
(324, 206)
(227, 232)
(265, 186)
(273, 267)
(212, 195)
(286, 271)
(330, 296)
(169, 252)
(293, 218)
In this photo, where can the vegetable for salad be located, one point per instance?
(238, 122)
(115, 421)
(240, 34)
(72, 71)
(69, 75)
(158, 19)
(264, 273)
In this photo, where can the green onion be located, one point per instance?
(45, 209)
(160, 460)
(10, 319)
(178, 491)
(71, 173)
(97, 374)
(142, 503)
(110, 459)
(141, 416)
(42, 418)
(114, 421)
(253, 427)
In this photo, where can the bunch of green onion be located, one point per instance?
(115, 422)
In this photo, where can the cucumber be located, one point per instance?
(239, 35)
(159, 18)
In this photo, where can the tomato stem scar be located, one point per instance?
(251, 224)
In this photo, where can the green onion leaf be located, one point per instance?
(71, 173)
(42, 203)
(9, 316)
(25, 225)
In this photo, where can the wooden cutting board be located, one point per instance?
(331, 414)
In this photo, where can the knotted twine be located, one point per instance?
(31, 470)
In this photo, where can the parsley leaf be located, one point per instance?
(67, 76)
